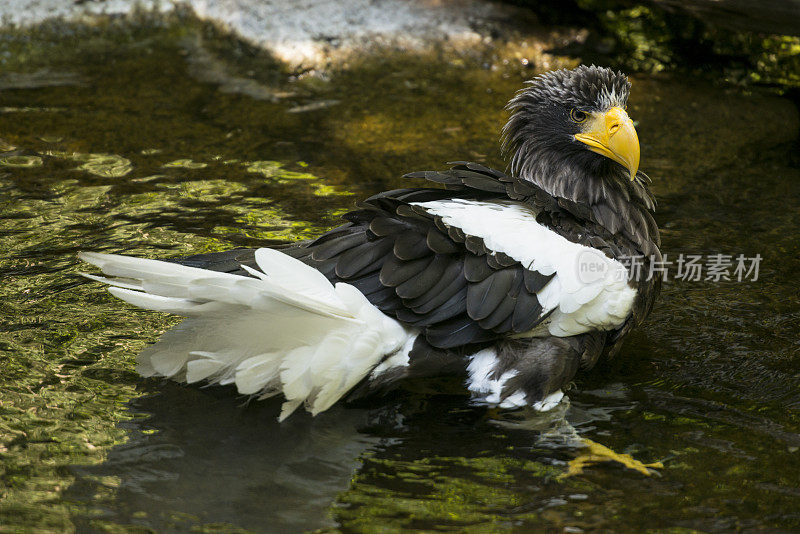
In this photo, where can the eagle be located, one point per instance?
(512, 280)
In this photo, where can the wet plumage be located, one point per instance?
(481, 277)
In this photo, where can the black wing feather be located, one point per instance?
(424, 281)
(440, 243)
(451, 282)
(476, 269)
(363, 258)
(409, 246)
(338, 245)
(527, 312)
(485, 296)
(457, 332)
(503, 311)
(396, 271)
(535, 281)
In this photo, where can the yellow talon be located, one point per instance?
(600, 453)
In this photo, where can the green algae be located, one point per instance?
(268, 169)
(185, 164)
(274, 171)
(103, 165)
(62, 379)
(21, 161)
(456, 494)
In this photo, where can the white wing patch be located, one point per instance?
(288, 331)
(589, 290)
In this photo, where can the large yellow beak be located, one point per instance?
(612, 135)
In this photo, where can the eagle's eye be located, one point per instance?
(577, 115)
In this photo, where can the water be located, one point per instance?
(162, 141)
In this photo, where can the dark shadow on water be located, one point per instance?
(197, 456)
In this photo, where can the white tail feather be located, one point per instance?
(287, 331)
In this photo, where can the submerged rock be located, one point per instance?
(308, 33)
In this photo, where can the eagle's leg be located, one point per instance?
(531, 371)
(596, 453)
(540, 368)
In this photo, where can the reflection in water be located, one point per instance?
(197, 456)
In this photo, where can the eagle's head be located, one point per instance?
(569, 126)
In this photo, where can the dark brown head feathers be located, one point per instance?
(539, 137)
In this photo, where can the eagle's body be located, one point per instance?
(515, 281)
